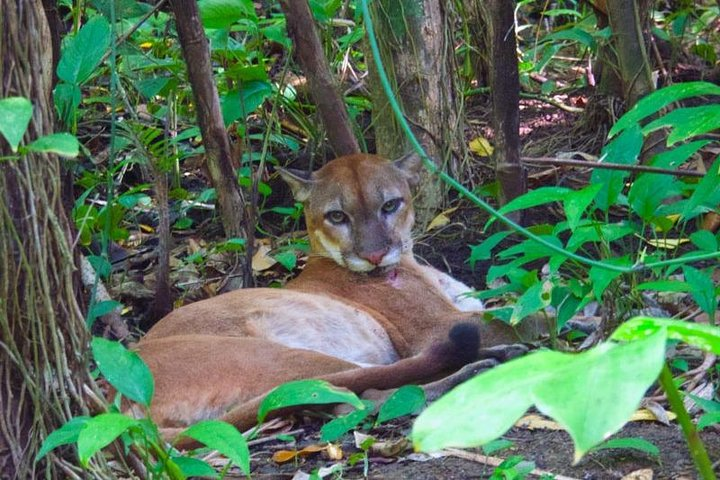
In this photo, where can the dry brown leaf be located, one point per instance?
(537, 422)
(441, 219)
(644, 474)
(262, 260)
(334, 452)
(282, 456)
(651, 412)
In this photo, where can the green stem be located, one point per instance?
(695, 444)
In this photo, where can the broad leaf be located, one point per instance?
(65, 435)
(659, 99)
(602, 277)
(664, 286)
(223, 13)
(707, 193)
(639, 444)
(63, 144)
(703, 289)
(15, 115)
(241, 103)
(99, 309)
(99, 431)
(124, 369)
(687, 122)
(306, 392)
(575, 203)
(533, 300)
(591, 394)
(224, 438)
(705, 240)
(623, 150)
(706, 337)
(339, 426)
(405, 400)
(82, 53)
(194, 467)
(533, 198)
(483, 251)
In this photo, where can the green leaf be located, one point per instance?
(223, 13)
(63, 144)
(623, 150)
(660, 99)
(15, 115)
(241, 103)
(707, 192)
(82, 53)
(305, 392)
(705, 240)
(703, 289)
(483, 251)
(124, 369)
(706, 337)
(634, 443)
(496, 445)
(590, 394)
(687, 122)
(194, 467)
(67, 97)
(99, 432)
(102, 267)
(287, 259)
(708, 419)
(602, 277)
(65, 435)
(533, 198)
(339, 426)
(576, 202)
(99, 309)
(224, 438)
(665, 286)
(405, 400)
(533, 300)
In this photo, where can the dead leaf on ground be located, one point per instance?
(652, 411)
(262, 259)
(644, 474)
(333, 452)
(537, 422)
(441, 219)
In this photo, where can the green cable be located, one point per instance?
(430, 165)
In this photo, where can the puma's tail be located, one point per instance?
(461, 348)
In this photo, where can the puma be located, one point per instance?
(363, 314)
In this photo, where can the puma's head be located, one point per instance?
(358, 209)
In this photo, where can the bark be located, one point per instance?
(417, 54)
(43, 364)
(322, 85)
(218, 153)
(498, 19)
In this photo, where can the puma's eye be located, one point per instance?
(391, 206)
(336, 217)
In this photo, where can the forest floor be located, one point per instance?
(547, 131)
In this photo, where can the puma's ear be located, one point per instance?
(300, 182)
(411, 165)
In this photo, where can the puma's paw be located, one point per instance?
(503, 353)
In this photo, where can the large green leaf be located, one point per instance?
(82, 53)
(533, 198)
(706, 337)
(339, 426)
(241, 103)
(124, 369)
(306, 392)
(405, 400)
(623, 150)
(63, 144)
(576, 202)
(15, 115)
(591, 394)
(223, 13)
(99, 431)
(687, 122)
(65, 435)
(224, 438)
(703, 289)
(706, 194)
(660, 99)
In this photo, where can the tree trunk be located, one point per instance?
(43, 364)
(218, 153)
(497, 30)
(324, 91)
(417, 54)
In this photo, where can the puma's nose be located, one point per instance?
(375, 257)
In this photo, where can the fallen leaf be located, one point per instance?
(652, 412)
(283, 456)
(334, 452)
(481, 146)
(667, 243)
(441, 219)
(644, 474)
(537, 422)
(262, 260)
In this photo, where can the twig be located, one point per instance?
(495, 462)
(611, 166)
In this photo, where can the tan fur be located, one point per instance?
(218, 357)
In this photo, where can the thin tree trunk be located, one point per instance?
(323, 88)
(417, 55)
(499, 23)
(218, 153)
(43, 364)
